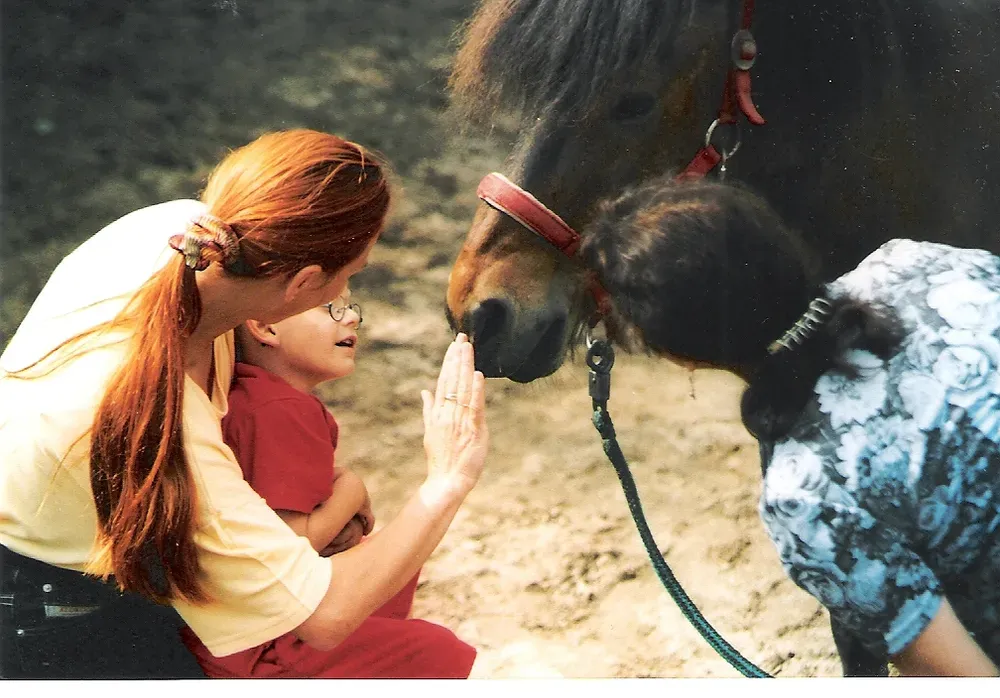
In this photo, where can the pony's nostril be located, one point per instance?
(489, 321)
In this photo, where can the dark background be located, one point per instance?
(111, 105)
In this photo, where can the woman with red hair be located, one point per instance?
(114, 468)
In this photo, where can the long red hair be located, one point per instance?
(293, 198)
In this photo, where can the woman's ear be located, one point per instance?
(264, 333)
(305, 280)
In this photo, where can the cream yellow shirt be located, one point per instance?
(264, 580)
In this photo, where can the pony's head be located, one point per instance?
(607, 93)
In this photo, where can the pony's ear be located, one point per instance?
(266, 334)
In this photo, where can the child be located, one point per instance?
(284, 439)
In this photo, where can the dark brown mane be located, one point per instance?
(536, 56)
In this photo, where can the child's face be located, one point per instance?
(316, 347)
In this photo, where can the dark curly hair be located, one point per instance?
(707, 272)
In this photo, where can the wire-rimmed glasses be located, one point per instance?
(339, 312)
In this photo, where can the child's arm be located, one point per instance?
(327, 520)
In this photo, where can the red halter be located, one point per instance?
(500, 193)
(737, 92)
(506, 197)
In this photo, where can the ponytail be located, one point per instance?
(141, 480)
(784, 383)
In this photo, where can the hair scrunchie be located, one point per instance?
(207, 231)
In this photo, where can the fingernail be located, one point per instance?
(461, 337)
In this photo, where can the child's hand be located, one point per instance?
(349, 536)
(345, 478)
(363, 521)
(366, 514)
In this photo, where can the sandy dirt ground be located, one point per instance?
(128, 104)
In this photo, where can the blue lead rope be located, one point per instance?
(600, 358)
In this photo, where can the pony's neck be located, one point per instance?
(823, 56)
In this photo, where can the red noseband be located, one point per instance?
(506, 197)
(500, 193)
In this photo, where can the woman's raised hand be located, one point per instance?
(456, 437)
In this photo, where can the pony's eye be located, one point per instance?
(633, 106)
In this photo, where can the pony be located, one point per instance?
(866, 121)
(877, 126)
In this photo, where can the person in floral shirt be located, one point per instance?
(875, 399)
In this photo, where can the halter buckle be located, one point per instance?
(743, 50)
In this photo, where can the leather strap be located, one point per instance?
(506, 197)
(500, 193)
(744, 99)
(702, 163)
(737, 95)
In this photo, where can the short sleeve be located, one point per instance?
(333, 427)
(285, 448)
(263, 580)
(864, 572)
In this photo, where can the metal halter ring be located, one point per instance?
(739, 138)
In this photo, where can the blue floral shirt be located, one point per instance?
(884, 497)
